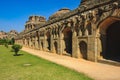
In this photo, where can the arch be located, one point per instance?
(42, 45)
(89, 28)
(83, 49)
(103, 25)
(110, 39)
(56, 47)
(48, 40)
(68, 40)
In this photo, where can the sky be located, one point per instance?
(14, 13)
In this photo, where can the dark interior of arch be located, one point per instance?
(48, 40)
(113, 42)
(68, 41)
(56, 46)
(83, 49)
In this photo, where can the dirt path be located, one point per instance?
(96, 71)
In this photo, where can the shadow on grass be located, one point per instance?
(11, 50)
(18, 54)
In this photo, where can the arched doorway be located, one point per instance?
(89, 28)
(68, 40)
(55, 47)
(42, 45)
(48, 40)
(113, 41)
(83, 49)
(110, 40)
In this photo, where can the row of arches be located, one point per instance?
(109, 39)
(67, 44)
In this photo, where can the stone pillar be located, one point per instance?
(92, 47)
(30, 42)
(36, 42)
(51, 42)
(45, 42)
(27, 42)
(99, 46)
(60, 43)
(23, 42)
(74, 45)
(40, 46)
(32, 26)
(33, 42)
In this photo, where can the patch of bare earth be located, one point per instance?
(97, 71)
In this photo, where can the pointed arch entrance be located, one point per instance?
(55, 47)
(48, 40)
(68, 40)
(110, 39)
(83, 49)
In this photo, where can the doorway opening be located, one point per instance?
(48, 40)
(111, 42)
(83, 49)
(55, 47)
(68, 40)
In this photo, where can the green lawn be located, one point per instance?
(14, 68)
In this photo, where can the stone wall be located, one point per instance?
(76, 33)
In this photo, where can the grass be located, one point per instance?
(29, 67)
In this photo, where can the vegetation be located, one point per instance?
(6, 45)
(16, 48)
(7, 41)
(28, 67)
(12, 41)
(3, 41)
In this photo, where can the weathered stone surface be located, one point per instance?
(77, 33)
(9, 35)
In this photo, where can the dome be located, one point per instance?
(59, 13)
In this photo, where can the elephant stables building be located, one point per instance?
(91, 31)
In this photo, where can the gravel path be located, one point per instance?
(97, 71)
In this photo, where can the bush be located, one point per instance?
(7, 41)
(12, 41)
(3, 41)
(6, 45)
(16, 48)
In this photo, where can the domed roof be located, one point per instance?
(59, 13)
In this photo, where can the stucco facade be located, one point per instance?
(86, 32)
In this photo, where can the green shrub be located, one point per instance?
(6, 45)
(3, 41)
(16, 48)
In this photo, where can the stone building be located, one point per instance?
(91, 31)
(3, 35)
(8, 35)
(12, 34)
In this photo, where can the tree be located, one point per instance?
(12, 41)
(3, 41)
(16, 48)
